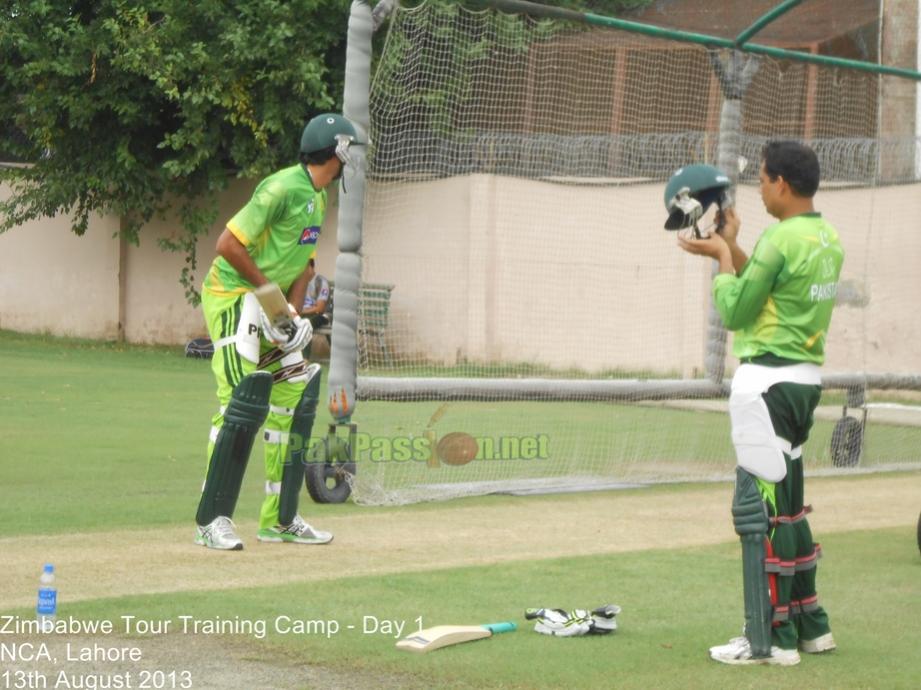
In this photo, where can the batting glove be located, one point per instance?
(559, 623)
(292, 336)
(604, 619)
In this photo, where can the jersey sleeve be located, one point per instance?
(740, 299)
(264, 208)
(323, 292)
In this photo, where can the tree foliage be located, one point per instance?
(134, 108)
(138, 108)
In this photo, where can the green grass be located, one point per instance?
(675, 604)
(96, 434)
(137, 418)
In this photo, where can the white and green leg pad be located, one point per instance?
(245, 413)
(750, 519)
(292, 478)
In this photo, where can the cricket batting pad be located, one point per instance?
(245, 413)
(750, 519)
(293, 474)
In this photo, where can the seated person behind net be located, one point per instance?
(316, 301)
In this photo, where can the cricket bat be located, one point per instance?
(440, 636)
(275, 305)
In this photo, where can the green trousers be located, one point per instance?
(222, 317)
(797, 614)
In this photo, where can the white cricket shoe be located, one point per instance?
(739, 652)
(823, 643)
(219, 534)
(298, 532)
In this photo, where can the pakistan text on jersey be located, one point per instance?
(819, 292)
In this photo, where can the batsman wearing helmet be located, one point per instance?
(259, 367)
(779, 303)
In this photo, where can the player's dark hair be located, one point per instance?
(794, 162)
(318, 157)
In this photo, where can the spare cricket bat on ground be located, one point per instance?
(444, 635)
(274, 304)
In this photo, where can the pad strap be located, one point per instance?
(804, 605)
(224, 342)
(781, 614)
(778, 567)
(275, 437)
(809, 562)
(270, 357)
(791, 519)
(788, 448)
(296, 372)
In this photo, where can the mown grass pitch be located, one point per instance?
(103, 446)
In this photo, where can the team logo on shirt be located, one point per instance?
(310, 235)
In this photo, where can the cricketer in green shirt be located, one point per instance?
(279, 227)
(263, 381)
(781, 303)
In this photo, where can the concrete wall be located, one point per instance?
(98, 286)
(53, 281)
(491, 269)
(898, 97)
(494, 269)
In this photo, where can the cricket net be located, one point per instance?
(543, 332)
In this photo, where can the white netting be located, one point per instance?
(515, 208)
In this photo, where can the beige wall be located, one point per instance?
(498, 269)
(492, 269)
(53, 281)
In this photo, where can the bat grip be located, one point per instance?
(496, 628)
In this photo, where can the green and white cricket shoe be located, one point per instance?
(298, 532)
(739, 652)
(219, 534)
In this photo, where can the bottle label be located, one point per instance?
(47, 601)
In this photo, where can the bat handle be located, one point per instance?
(496, 628)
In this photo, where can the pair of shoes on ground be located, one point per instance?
(738, 652)
(221, 534)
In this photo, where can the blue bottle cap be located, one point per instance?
(49, 568)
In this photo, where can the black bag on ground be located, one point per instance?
(200, 348)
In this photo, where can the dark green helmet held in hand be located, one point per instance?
(690, 191)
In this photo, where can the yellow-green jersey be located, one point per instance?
(279, 227)
(781, 303)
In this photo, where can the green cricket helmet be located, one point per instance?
(690, 192)
(327, 131)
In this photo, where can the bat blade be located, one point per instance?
(430, 639)
(274, 304)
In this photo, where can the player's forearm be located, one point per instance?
(739, 258)
(298, 289)
(725, 261)
(229, 247)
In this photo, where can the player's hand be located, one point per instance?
(730, 223)
(713, 246)
(301, 333)
(289, 337)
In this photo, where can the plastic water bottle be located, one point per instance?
(47, 597)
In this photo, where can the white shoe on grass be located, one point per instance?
(739, 652)
(298, 532)
(823, 643)
(219, 534)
